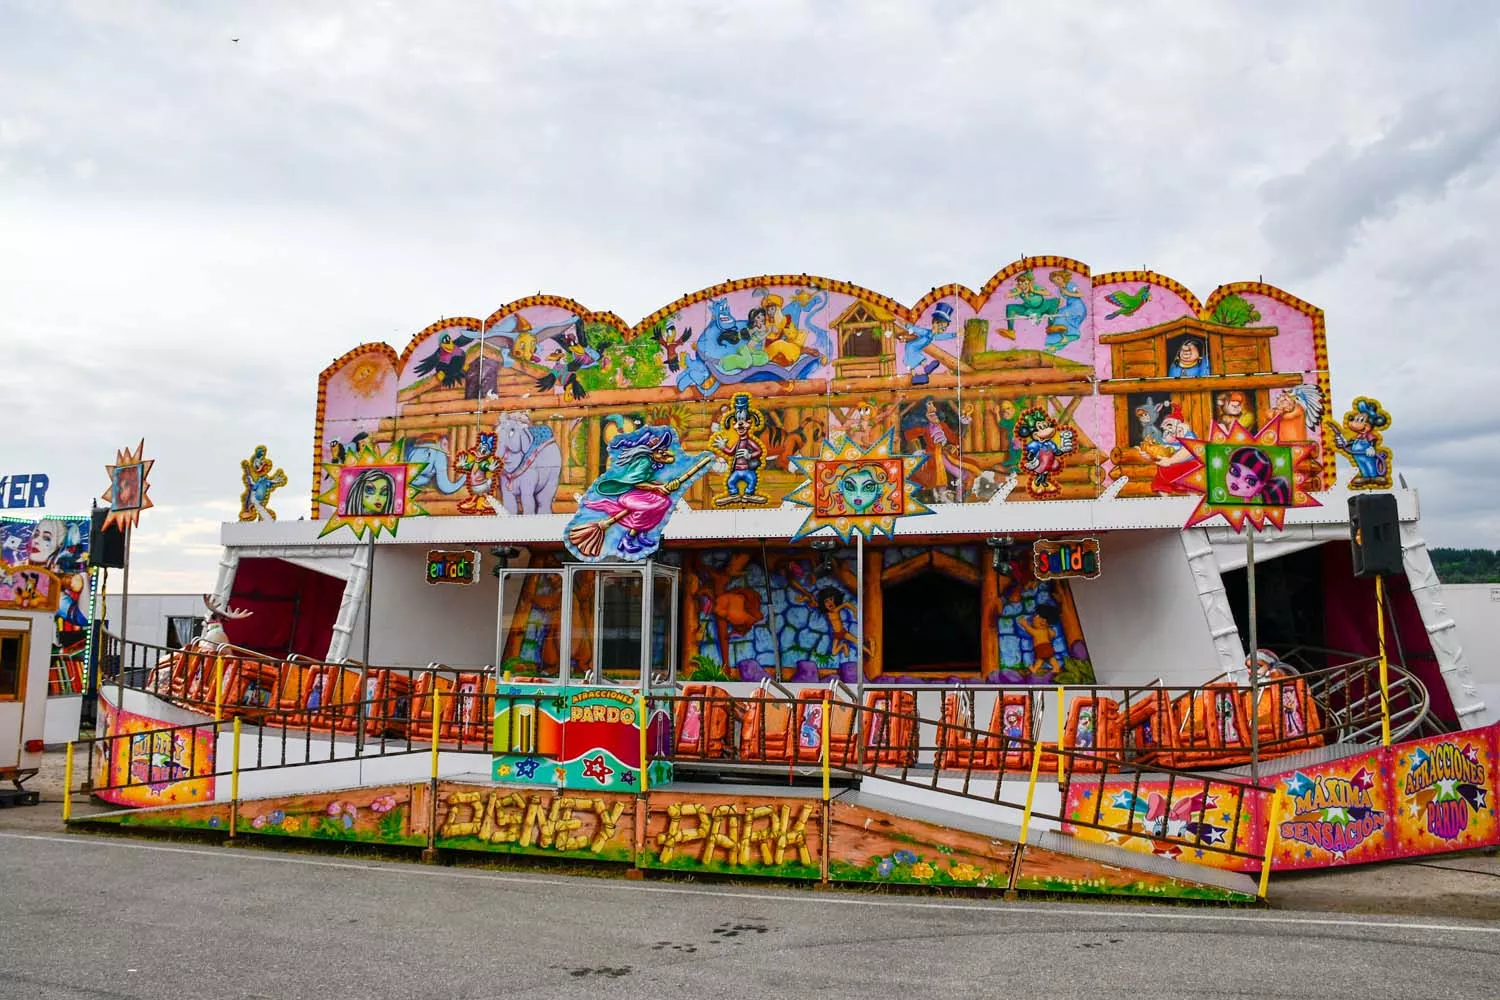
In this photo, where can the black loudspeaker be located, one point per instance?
(106, 546)
(1375, 531)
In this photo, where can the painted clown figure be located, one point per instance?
(1046, 443)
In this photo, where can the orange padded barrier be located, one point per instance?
(962, 744)
(1211, 728)
(387, 699)
(1094, 729)
(889, 728)
(766, 729)
(807, 748)
(421, 705)
(473, 714)
(702, 720)
(1288, 719)
(1014, 721)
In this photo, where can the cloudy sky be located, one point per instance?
(191, 227)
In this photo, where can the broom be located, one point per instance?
(588, 538)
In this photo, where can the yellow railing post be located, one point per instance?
(219, 688)
(640, 714)
(1036, 769)
(1271, 830)
(823, 746)
(437, 704)
(1062, 730)
(68, 784)
(234, 778)
(1385, 679)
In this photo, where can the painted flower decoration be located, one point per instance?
(291, 824)
(922, 870)
(258, 822)
(383, 805)
(276, 817)
(885, 867)
(503, 770)
(904, 858)
(965, 873)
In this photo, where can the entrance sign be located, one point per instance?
(459, 566)
(576, 737)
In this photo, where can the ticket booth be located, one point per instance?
(25, 652)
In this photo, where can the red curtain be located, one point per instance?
(294, 608)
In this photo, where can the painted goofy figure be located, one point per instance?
(739, 443)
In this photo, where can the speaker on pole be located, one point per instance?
(1375, 531)
(106, 545)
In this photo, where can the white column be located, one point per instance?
(1442, 631)
(229, 563)
(1215, 602)
(351, 604)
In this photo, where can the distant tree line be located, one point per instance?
(1466, 565)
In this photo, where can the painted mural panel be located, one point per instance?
(390, 814)
(1337, 813)
(549, 822)
(1049, 871)
(730, 834)
(1195, 817)
(44, 565)
(821, 358)
(1444, 793)
(150, 765)
(865, 845)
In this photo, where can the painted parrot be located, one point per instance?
(576, 355)
(448, 359)
(1127, 304)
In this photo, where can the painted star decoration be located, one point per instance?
(1299, 786)
(857, 490)
(1205, 476)
(124, 510)
(379, 478)
(527, 768)
(596, 767)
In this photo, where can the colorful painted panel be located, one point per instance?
(1197, 820)
(1049, 871)
(1337, 813)
(729, 834)
(572, 737)
(592, 825)
(1444, 793)
(151, 766)
(865, 845)
(790, 617)
(393, 814)
(623, 512)
(44, 565)
(1100, 362)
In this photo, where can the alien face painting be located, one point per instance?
(861, 489)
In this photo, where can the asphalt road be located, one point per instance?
(105, 917)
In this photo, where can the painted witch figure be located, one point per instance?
(635, 494)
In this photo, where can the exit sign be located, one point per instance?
(452, 566)
(23, 490)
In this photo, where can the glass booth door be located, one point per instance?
(590, 623)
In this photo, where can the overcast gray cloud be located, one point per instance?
(192, 228)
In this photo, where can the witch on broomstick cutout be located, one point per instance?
(621, 515)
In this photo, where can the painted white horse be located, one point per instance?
(531, 464)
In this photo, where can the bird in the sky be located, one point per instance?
(448, 359)
(1126, 302)
(235, 40)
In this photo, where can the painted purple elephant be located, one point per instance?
(531, 464)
